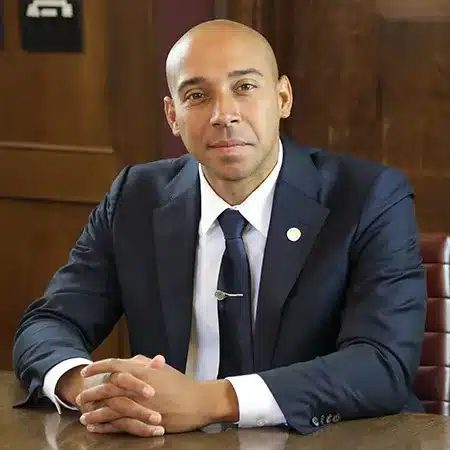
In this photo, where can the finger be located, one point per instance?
(127, 425)
(158, 362)
(107, 414)
(129, 408)
(101, 392)
(100, 415)
(88, 407)
(129, 382)
(141, 359)
(111, 365)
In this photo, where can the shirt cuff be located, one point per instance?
(257, 405)
(54, 374)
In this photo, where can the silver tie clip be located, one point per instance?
(221, 295)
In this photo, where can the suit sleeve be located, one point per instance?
(382, 329)
(79, 308)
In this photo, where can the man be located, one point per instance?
(286, 282)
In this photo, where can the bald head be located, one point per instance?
(213, 36)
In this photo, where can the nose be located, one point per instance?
(225, 111)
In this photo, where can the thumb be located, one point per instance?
(158, 362)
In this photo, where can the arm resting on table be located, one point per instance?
(79, 308)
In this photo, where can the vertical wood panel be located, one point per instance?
(141, 35)
(167, 29)
(415, 69)
(68, 122)
(55, 98)
(135, 121)
(329, 51)
(54, 144)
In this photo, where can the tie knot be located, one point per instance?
(232, 223)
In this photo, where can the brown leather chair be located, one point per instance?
(432, 384)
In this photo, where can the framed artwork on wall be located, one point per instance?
(51, 25)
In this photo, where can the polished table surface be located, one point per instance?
(45, 429)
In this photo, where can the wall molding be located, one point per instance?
(41, 146)
(62, 173)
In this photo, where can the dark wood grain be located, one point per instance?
(166, 28)
(55, 98)
(135, 106)
(45, 429)
(56, 161)
(370, 78)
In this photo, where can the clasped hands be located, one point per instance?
(147, 397)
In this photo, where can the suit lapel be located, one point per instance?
(295, 206)
(176, 232)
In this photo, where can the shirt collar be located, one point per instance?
(256, 208)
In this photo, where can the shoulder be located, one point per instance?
(344, 174)
(353, 170)
(348, 183)
(162, 171)
(149, 181)
(362, 189)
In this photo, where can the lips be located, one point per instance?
(227, 144)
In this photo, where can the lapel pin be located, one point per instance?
(294, 234)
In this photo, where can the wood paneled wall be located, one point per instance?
(68, 123)
(56, 160)
(370, 78)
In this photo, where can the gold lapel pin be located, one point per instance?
(294, 234)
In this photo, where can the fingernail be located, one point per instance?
(83, 419)
(159, 432)
(155, 418)
(78, 399)
(91, 428)
(149, 392)
(83, 371)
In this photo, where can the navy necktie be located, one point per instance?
(234, 301)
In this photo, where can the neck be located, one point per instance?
(234, 192)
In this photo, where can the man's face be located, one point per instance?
(226, 107)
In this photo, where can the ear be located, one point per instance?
(169, 109)
(285, 96)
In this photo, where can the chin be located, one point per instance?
(233, 175)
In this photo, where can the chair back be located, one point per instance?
(432, 384)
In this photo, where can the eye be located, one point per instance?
(195, 96)
(246, 87)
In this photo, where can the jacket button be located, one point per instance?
(336, 418)
(315, 422)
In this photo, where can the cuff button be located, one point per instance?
(336, 418)
(315, 422)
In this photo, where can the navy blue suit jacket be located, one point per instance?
(341, 312)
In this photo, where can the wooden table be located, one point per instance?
(44, 429)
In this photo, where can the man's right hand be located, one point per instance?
(116, 402)
(70, 385)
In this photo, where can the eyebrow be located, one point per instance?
(234, 73)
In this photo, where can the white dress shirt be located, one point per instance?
(257, 406)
